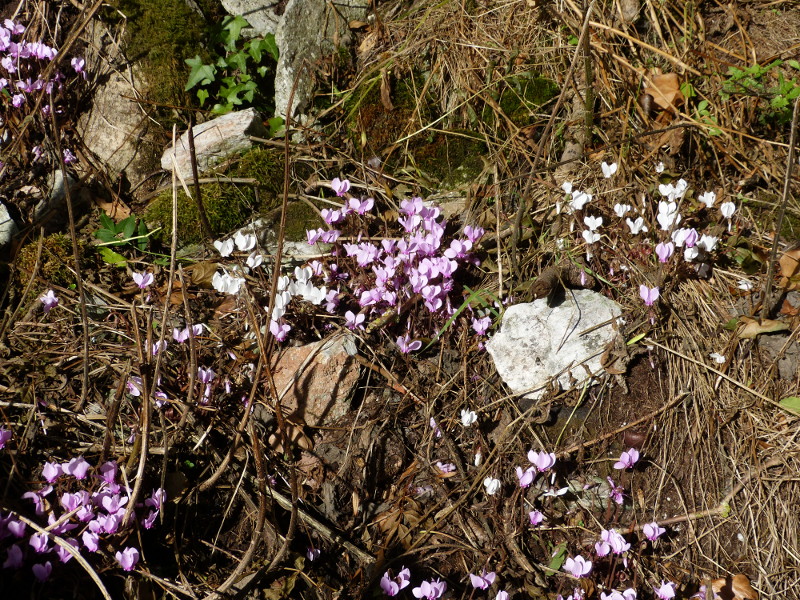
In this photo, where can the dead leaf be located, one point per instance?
(665, 90)
(116, 210)
(295, 435)
(201, 273)
(789, 265)
(753, 327)
(357, 24)
(733, 588)
(386, 92)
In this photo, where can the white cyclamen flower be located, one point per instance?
(492, 485)
(224, 248)
(708, 198)
(468, 417)
(579, 199)
(708, 242)
(660, 168)
(727, 209)
(621, 209)
(608, 170)
(717, 358)
(244, 242)
(591, 236)
(593, 223)
(668, 215)
(636, 226)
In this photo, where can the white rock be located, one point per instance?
(7, 226)
(537, 343)
(215, 140)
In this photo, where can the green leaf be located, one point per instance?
(231, 30)
(271, 47)
(794, 64)
(201, 73)
(107, 222)
(559, 557)
(687, 89)
(238, 61)
(128, 227)
(792, 404)
(635, 339)
(142, 233)
(112, 258)
(202, 95)
(275, 126)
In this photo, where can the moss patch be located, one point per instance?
(56, 262)
(453, 158)
(228, 206)
(524, 93)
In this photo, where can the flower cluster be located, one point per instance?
(85, 510)
(22, 64)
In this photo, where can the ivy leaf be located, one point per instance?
(200, 73)
(202, 95)
(231, 30)
(271, 47)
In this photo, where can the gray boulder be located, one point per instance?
(538, 344)
(215, 140)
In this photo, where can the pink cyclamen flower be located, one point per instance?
(353, 321)
(437, 432)
(340, 186)
(49, 300)
(482, 581)
(665, 251)
(652, 531)
(5, 435)
(69, 157)
(666, 591)
(430, 590)
(142, 279)
(648, 294)
(543, 461)
(536, 517)
(525, 477)
(77, 467)
(407, 346)
(391, 586)
(481, 326)
(42, 571)
(501, 595)
(578, 566)
(627, 459)
(616, 543)
(14, 558)
(128, 558)
(313, 554)
(445, 468)
(77, 63)
(615, 491)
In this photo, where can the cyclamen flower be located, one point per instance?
(579, 200)
(536, 517)
(593, 223)
(666, 591)
(727, 209)
(707, 198)
(590, 237)
(491, 485)
(69, 157)
(668, 215)
(142, 279)
(578, 567)
(128, 558)
(615, 491)
(77, 64)
(14, 558)
(77, 467)
(636, 226)
(430, 590)
(353, 321)
(525, 477)
(481, 326)
(49, 300)
(473, 234)
(445, 468)
(340, 186)
(542, 460)
(436, 431)
(652, 531)
(627, 459)
(482, 581)
(224, 248)
(244, 242)
(649, 295)
(360, 206)
(665, 251)
(621, 209)
(407, 346)
(468, 417)
(717, 358)
(708, 242)
(608, 170)
(5, 435)
(42, 571)
(612, 539)
(391, 586)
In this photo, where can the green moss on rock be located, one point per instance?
(228, 206)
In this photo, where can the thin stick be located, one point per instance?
(765, 309)
(76, 257)
(198, 197)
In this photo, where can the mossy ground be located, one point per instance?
(227, 205)
(56, 264)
